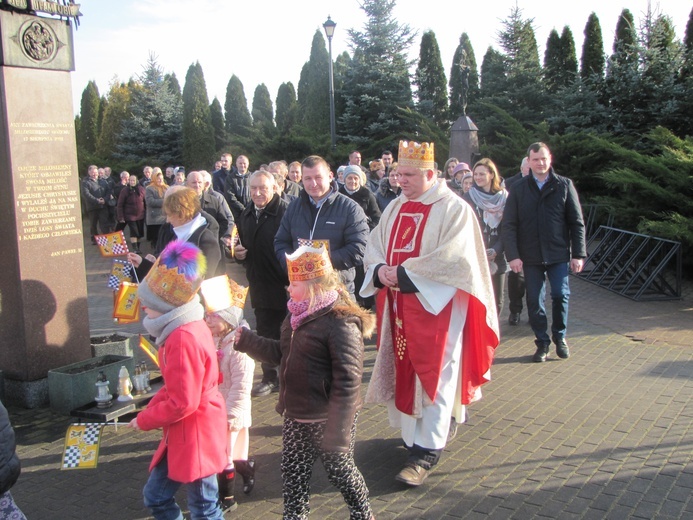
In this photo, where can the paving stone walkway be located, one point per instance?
(605, 434)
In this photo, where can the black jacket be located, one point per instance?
(364, 198)
(267, 278)
(386, 194)
(93, 190)
(236, 192)
(215, 204)
(543, 227)
(339, 220)
(320, 368)
(10, 467)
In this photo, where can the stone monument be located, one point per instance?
(43, 295)
(464, 141)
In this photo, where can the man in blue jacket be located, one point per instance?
(321, 213)
(544, 235)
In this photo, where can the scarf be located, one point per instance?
(162, 326)
(300, 311)
(491, 205)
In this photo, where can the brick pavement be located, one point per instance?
(605, 434)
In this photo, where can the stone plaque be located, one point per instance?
(43, 295)
(33, 41)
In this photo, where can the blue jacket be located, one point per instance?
(339, 220)
(543, 227)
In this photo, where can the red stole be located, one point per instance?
(418, 336)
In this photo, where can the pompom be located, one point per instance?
(186, 258)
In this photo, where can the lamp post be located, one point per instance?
(329, 26)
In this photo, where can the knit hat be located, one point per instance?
(175, 277)
(225, 298)
(355, 170)
(460, 167)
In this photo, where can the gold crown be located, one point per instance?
(221, 292)
(416, 155)
(170, 285)
(308, 263)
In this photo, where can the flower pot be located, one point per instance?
(74, 385)
(117, 344)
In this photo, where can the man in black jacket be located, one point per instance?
(544, 235)
(267, 279)
(236, 187)
(322, 213)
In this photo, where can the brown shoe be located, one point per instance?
(412, 474)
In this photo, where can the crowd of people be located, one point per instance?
(430, 251)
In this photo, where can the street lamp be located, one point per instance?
(329, 26)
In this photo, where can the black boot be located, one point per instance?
(247, 470)
(226, 480)
(542, 351)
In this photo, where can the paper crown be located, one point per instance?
(308, 263)
(177, 274)
(416, 155)
(221, 292)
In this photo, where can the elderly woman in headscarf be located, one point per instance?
(460, 172)
(487, 198)
(185, 220)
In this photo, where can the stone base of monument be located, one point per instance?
(74, 385)
(27, 394)
(117, 344)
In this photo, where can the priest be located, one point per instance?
(437, 324)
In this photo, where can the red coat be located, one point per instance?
(130, 205)
(189, 406)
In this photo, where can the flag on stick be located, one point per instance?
(82, 446)
(149, 349)
(112, 244)
(127, 306)
(120, 272)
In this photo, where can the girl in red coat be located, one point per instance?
(189, 407)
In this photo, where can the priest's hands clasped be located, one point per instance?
(387, 275)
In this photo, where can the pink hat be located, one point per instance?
(461, 166)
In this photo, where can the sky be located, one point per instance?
(269, 41)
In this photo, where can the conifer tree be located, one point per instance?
(173, 85)
(377, 86)
(552, 62)
(494, 79)
(341, 68)
(313, 88)
(592, 62)
(153, 132)
(263, 114)
(430, 81)
(236, 112)
(569, 56)
(464, 56)
(198, 133)
(218, 124)
(89, 116)
(286, 107)
(115, 114)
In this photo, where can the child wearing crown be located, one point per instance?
(224, 300)
(320, 358)
(189, 407)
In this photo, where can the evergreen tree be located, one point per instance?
(218, 124)
(494, 81)
(313, 88)
(552, 62)
(198, 133)
(153, 133)
(173, 85)
(103, 104)
(569, 55)
(341, 69)
(525, 88)
(238, 121)
(377, 85)
(263, 114)
(115, 114)
(286, 107)
(463, 57)
(592, 62)
(430, 81)
(89, 117)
